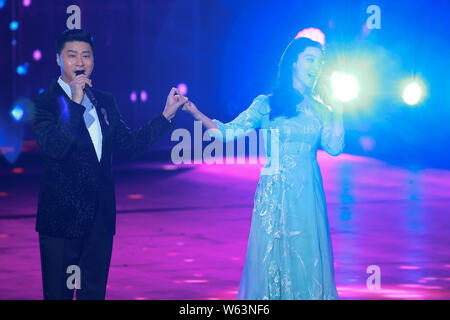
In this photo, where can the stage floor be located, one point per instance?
(182, 230)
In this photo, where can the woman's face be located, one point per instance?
(308, 66)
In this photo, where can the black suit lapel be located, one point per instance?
(102, 115)
(85, 135)
(105, 123)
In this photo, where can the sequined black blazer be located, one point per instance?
(74, 183)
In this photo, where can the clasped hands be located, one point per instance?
(174, 101)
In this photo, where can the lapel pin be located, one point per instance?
(104, 115)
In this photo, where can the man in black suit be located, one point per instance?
(77, 134)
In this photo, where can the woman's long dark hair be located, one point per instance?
(284, 98)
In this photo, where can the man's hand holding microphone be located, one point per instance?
(78, 87)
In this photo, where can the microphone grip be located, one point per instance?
(87, 90)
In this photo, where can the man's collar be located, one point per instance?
(65, 87)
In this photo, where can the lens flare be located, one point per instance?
(345, 87)
(413, 93)
(17, 112)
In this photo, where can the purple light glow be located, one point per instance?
(143, 95)
(133, 96)
(182, 88)
(313, 34)
(367, 143)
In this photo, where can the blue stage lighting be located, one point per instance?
(2, 3)
(22, 69)
(14, 25)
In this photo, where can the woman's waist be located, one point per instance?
(291, 162)
(293, 149)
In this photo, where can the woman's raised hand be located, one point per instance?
(191, 108)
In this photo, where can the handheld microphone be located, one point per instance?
(87, 90)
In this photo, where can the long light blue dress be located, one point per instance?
(289, 253)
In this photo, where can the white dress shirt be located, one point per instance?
(90, 119)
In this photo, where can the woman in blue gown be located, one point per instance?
(289, 253)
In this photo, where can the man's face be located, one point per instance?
(308, 66)
(75, 56)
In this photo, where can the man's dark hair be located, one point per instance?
(73, 35)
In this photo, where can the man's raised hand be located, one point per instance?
(77, 85)
(174, 101)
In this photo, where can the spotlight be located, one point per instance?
(413, 92)
(345, 87)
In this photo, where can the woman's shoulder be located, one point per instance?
(263, 98)
(262, 103)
